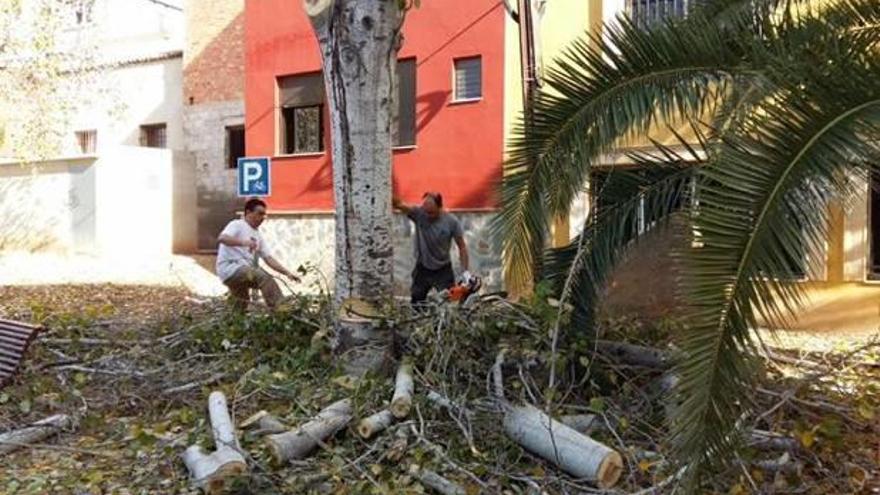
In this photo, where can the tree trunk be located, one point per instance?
(359, 40)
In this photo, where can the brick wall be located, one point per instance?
(214, 55)
(213, 97)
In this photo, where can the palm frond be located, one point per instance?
(600, 91)
(797, 152)
(629, 204)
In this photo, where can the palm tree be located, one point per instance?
(786, 95)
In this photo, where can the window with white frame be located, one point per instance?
(468, 80)
(302, 114)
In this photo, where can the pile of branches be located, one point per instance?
(472, 394)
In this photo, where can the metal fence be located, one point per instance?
(647, 12)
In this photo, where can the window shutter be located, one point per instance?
(468, 78)
(405, 130)
(301, 90)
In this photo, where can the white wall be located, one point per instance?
(134, 201)
(146, 93)
(48, 206)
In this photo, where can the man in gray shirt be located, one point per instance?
(435, 230)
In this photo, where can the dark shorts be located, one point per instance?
(425, 279)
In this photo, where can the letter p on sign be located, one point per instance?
(253, 176)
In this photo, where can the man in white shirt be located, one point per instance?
(240, 248)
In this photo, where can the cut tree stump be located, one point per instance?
(298, 443)
(577, 454)
(15, 439)
(401, 402)
(209, 471)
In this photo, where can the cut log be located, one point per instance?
(575, 453)
(374, 424)
(44, 428)
(265, 423)
(440, 484)
(298, 443)
(583, 423)
(765, 440)
(636, 355)
(401, 402)
(209, 471)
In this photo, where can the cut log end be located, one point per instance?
(609, 471)
(400, 408)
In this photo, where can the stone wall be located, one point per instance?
(310, 239)
(205, 135)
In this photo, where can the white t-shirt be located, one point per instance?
(231, 258)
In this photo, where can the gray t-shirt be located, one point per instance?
(433, 238)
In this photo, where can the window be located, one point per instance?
(468, 82)
(153, 136)
(302, 114)
(404, 133)
(646, 12)
(87, 141)
(234, 145)
(83, 11)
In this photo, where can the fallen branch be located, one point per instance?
(445, 403)
(783, 464)
(200, 383)
(298, 443)
(210, 471)
(765, 440)
(498, 376)
(401, 402)
(265, 422)
(439, 484)
(632, 354)
(15, 439)
(371, 425)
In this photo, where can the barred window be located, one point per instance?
(154, 136)
(87, 141)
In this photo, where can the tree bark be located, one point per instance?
(359, 40)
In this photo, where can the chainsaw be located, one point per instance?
(466, 286)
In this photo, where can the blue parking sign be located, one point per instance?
(253, 176)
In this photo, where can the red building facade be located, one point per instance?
(450, 139)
